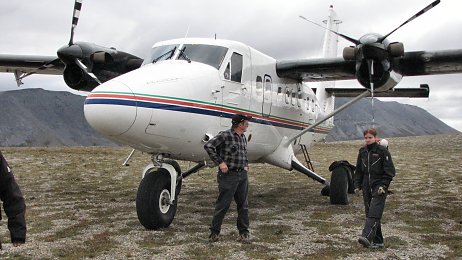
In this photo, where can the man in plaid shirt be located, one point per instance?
(228, 150)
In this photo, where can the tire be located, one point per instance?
(339, 183)
(351, 185)
(153, 192)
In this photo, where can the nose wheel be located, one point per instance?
(153, 200)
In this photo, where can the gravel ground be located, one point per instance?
(81, 205)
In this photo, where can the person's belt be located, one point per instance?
(236, 169)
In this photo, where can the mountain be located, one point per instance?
(37, 117)
(392, 119)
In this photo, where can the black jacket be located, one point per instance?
(13, 203)
(374, 167)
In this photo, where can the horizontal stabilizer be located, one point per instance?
(422, 92)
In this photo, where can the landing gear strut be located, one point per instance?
(157, 197)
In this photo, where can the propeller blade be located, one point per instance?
(75, 19)
(356, 42)
(426, 9)
(370, 64)
(85, 69)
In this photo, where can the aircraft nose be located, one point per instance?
(111, 108)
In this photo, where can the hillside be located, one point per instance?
(392, 119)
(36, 117)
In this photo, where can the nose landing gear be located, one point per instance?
(157, 198)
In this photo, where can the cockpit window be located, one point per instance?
(161, 53)
(208, 54)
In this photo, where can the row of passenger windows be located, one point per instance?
(294, 98)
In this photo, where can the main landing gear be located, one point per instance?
(341, 181)
(157, 197)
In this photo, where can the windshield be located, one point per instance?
(161, 53)
(208, 54)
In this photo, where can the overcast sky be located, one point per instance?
(270, 26)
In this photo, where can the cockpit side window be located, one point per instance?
(236, 67)
(227, 72)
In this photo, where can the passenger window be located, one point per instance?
(293, 98)
(267, 88)
(287, 96)
(236, 67)
(259, 86)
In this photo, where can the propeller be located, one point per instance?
(421, 12)
(73, 54)
(377, 39)
(332, 31)
(374, 55)
(75, 19)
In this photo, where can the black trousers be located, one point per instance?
(374, 205)
(232, 185)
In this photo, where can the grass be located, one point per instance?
(81, 204)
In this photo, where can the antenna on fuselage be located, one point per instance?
(187, 32)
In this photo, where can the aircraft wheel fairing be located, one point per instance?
(153, 200)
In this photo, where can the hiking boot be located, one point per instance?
(214, 238)
(364, 241)
(377, 245)
(244, 238)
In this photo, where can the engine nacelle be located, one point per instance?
(374, 62)
(383, 78)
(77, 79)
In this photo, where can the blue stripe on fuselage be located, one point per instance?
(193, 110)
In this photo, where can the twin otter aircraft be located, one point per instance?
(169, 104)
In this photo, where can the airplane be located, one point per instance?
(172, 102)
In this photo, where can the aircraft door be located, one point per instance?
(232, 89)
(267, 95)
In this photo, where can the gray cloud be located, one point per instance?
(273, 27)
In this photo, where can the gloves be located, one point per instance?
(381, 190)
(357, 191)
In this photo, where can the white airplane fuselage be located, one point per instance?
(172, 106)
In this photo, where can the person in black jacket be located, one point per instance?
(373, 174)
(13, 204)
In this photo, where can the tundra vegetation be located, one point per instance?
(81, 204)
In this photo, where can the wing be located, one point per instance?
(411, 64)
(31, 64)
(25, 65)
(327, 69)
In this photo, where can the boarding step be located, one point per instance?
(309, 165)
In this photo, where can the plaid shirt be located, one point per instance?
(228, 147)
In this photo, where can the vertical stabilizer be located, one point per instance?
(326, 101)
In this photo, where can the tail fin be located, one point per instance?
(326, 100)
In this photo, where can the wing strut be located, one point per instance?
(308, 129)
